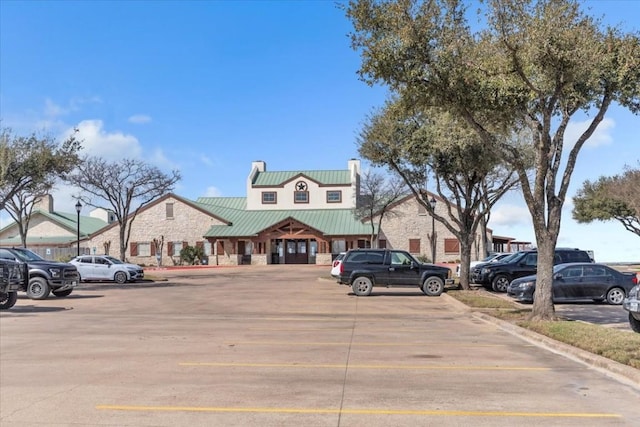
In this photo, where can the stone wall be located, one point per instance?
(187, 225)
(406, 222)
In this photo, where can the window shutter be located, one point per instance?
(133, 248)
(170, 248)
(451, 246)
(414, 246)
(200, 244)
(153, 248)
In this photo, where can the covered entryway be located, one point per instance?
(297, 251)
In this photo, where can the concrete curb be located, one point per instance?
(618, 371)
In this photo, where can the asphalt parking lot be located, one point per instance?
(277, 346)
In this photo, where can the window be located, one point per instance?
(414, 246)
(169, 208)
(531, 259)
(207, 248)
(269, 197)
(301, 197)
(174, 248)
(334, 196)
(400, 258)
(86, 260)
(382, 243)
(144, 249)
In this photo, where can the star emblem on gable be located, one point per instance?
(301, 186)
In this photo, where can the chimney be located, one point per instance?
(45, 203)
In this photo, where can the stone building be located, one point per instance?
(286, 217)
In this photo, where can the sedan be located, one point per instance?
(104, 267)
(579, 281)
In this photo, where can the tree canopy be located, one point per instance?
(528, 71)
(27, 163)
(611, 198)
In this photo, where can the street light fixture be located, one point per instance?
(78, 209)
(432, 202)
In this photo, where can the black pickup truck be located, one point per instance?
(13, 278)
(45, 277)
(362, 269)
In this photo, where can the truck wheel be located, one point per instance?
(62, 293)
(500, 283)
(615, 296)
(8, 300)
(433, 286)
(634, 323)
(120, 277)
(38, 288)
(362, 286)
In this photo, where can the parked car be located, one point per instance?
(13, 278)
(335, 266)
(105, 267)
(362, 269)
(494, 257)
(497, 276)
(579, 281)
(45, 277)
(632, 305)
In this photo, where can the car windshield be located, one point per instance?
(114, 260)
(490, 257)
(26, 255)
(512, 257)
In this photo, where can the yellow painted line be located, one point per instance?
(355, 411)
(343, 366)
(365, 344)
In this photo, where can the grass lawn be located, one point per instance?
(620, 346)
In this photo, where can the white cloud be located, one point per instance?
(601, 136)
(206, 160)
(140, 119)
(96, 141)
(212, 192)
(507, 215)
(159, 159)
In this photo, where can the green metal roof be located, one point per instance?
(88, 224)
(334, 177)
(331, 222)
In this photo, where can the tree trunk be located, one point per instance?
(543, 308)
(123, 242)
(466, 244)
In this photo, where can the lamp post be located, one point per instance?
(78, 209)
(432, 202)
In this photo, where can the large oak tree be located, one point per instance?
(533, 66)
(126, 186)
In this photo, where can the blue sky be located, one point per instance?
(209, 87)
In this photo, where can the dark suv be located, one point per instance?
(362, 269)
(524, 263)
(45, 276)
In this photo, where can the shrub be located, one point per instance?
(191, 254)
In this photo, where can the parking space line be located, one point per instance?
(364, 344)
(352, 366)
(451, 413)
